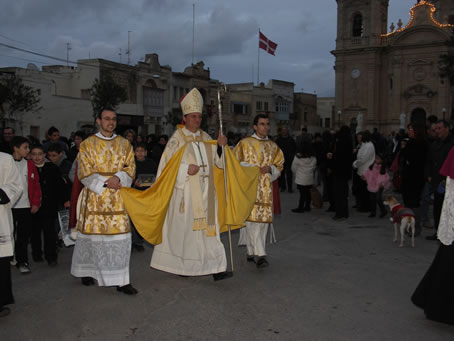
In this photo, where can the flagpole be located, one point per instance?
(258, 59)
(193, 32)
(225, 174)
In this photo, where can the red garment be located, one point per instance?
(276, 198)
(34, 189)
(448, 166)
(76, 189)
(399, 211)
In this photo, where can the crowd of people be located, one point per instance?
(49, 177)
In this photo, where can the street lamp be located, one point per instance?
(444, 112)
(339, 112)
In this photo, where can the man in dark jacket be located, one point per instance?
(438, 152)
(288, 147)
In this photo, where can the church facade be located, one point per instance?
(389, 78)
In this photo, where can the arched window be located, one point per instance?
(357, 25)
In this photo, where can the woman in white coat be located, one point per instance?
(303, 166)
(364, 159)
(10, 191)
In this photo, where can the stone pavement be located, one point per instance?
(326, 281)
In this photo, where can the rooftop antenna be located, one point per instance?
(129, 48)
(68, 48)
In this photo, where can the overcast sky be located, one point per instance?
(226, 35)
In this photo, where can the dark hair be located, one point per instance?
(140, 145)
(366, 136)
(37, 146)
(105, 108)
(18, 141)
(445, 123)
(165, 137)
(305, 149)
(9, 128)
(259, 116)
(52, 130)
(420, 130)
(55, 147)
(33, 140)
(432, 119)
(383, 164)
(80, 134)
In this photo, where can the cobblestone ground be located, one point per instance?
(326, 281)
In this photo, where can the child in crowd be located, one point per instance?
(28, 203)
(57, 156)
(144, 166)
(53, 194)
(377, 179)
(303, 166)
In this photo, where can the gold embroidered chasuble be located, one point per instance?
(260, 153)
(104, 213)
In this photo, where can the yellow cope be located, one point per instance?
(148, 209)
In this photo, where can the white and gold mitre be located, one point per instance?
(192, 102)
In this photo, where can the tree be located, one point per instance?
(446, 69)
(106, 93)
(16, 97)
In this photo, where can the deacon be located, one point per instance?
(10, 191)
(103, 244)
(191, 244)
(259, 151)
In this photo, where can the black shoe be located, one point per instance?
(87, 281)
(372, 215)
(250, 258)
(127, 289)
(222, 275)
(432, 237)
(383, 214)
(4, 311)
(298, 210)
(138, 248)
(262, 263)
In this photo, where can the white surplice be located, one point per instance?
(184, 251)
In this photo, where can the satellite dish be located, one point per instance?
(32, 66)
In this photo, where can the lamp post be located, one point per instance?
(339, 112)
(444, 112)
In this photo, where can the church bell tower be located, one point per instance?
(360, 23)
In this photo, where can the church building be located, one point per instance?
(389, 78)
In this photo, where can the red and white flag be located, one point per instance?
(266, 44)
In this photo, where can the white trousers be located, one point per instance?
(254, 237)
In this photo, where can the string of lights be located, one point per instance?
(412, 14)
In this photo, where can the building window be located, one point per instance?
(181, 93)
(265, 106)
(175, 93)
(327, 122)
(258, 106)
(357, 25)
(186, 90)
(239, 108)
(305, 116)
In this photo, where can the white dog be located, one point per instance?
(404, 216)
